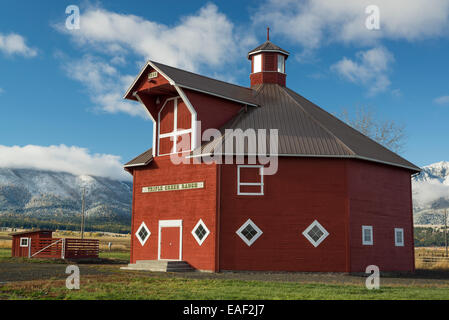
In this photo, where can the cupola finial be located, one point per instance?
(268, 33)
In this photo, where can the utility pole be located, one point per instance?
(82, 213)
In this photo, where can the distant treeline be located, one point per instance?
(428, 237)
(92, 224)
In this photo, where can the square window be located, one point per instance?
(200, 232)
(143, 233)
(249, 232)
(399, 237)
(315, 233)
(367, 235)
(250, 180)
(24, 242)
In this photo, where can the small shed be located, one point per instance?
(21, 241)
(41, 244)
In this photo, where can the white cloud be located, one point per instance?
(105, 85)
(63, 158)
(313, 23)
(370, 68)
(441, 100)
(205, 38)
(425, 193)
(15, 44)
(196, 41)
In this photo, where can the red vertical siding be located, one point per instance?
(167, 118)
(213, 112)
(184, 116)
(268, 77)
(303, 190)
(380, 197)
(144, 83)
(18, 251)
(188, 205)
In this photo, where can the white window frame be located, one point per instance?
(143, 226)
(200, 223)
(255, 227)
(281, 63)
(364, 242)
(175, 133)
(261, 183)
(27, 241)
(401, 243)
(257, 65)
(305, 233)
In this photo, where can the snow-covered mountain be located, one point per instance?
(56, 196)
(431, 193)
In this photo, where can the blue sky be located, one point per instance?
(64, 87)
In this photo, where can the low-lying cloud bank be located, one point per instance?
(73, 159)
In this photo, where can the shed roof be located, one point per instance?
(141, 160)
(29, 231)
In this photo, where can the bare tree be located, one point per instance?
(387, 132)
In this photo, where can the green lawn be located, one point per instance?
(121, 255)
(113, 283)
(5, 253)
(125, 286)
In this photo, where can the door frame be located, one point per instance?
(170, 223)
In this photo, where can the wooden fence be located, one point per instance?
(81, 248)
(63, 248)
(45, 248)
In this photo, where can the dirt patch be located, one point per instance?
(12, 272)
(16, 271)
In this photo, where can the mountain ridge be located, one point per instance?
(41, 195)
(431, 193)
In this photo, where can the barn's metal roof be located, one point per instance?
(304, 129)
(196, 82)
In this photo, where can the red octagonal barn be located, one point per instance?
(338, 201)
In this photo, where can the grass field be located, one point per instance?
(107, 281)
(127, 286)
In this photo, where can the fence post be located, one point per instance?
(63, 249)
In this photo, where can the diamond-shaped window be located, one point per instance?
(315, 233)
(200, 232)
(143, 233)
(249, 232)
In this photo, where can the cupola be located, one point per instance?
(268, 63)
